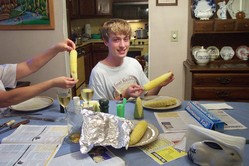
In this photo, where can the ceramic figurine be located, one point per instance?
(203, 9)
(212, 153)
(222, 11)
(207, 147)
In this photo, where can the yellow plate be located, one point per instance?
(155, 98)
(33, 104)
(150, 135)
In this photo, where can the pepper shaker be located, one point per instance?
(104, 105)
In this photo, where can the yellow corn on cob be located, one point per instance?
(160, 103)
(157, 81)
(73, 64)
(138, 112)
(138, 132)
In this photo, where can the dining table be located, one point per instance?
(132, 156)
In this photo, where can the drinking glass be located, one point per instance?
(87, 94)
(74, 122)
(64, 97)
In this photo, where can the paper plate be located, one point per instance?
(33, 104)
(150, 135)
(155, 98)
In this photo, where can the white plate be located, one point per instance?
(150, 135)
(233, 6)
(213, 52)
(242, 52)
(151, 98)
(227, 53)
(33, 104)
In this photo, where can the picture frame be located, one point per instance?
(27, 15)
(166, 2)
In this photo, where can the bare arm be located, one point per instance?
(34, 64)
(18, 95)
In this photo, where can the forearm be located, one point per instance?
(154, 91)
(34, 64)
(18, 95)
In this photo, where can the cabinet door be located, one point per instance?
(87, 8)
(98, 57)
(103, 7)
(88, 66)
(100, 52)
(73, 8)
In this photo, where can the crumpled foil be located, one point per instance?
(102, 129)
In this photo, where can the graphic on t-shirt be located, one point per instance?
(123, 84)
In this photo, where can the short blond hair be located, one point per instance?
(117, 27)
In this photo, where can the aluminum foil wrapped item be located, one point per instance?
(102, 129)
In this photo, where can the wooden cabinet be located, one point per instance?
(130, 0)
(84, 66)
(103, 7)
(87, 49)
(100, 52)
(86, 8)
(79, 9)
(219, 79)
(227, 82)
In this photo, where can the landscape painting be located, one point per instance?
(26, 14)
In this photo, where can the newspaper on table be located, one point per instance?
(178, 121)
(166, 148)
(98, 156)
(32, 145)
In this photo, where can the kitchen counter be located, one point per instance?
(139, 47)
(89, 42)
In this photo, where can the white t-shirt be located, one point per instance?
(106, 80)
(7, 77)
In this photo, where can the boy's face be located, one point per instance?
(118, 45)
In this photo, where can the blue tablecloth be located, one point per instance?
(134, 156)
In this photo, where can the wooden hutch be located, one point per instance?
(219, 79)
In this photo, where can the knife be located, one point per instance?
(7, 124)
(15, 125)
(38, 118)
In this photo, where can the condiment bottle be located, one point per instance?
(104, 105)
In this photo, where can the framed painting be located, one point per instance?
(166, 2)
(26, 14)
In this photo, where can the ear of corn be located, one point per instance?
(138, 132)
(138, 112)
(157, 81)
(73, 64)
(160, 103)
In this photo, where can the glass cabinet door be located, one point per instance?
(103, 7)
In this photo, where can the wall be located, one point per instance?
(165, 55)
(19, 45)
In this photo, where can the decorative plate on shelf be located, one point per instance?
(227, 53)
(242, 52)
(203, 9)
(233, 6)
(213, 52)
